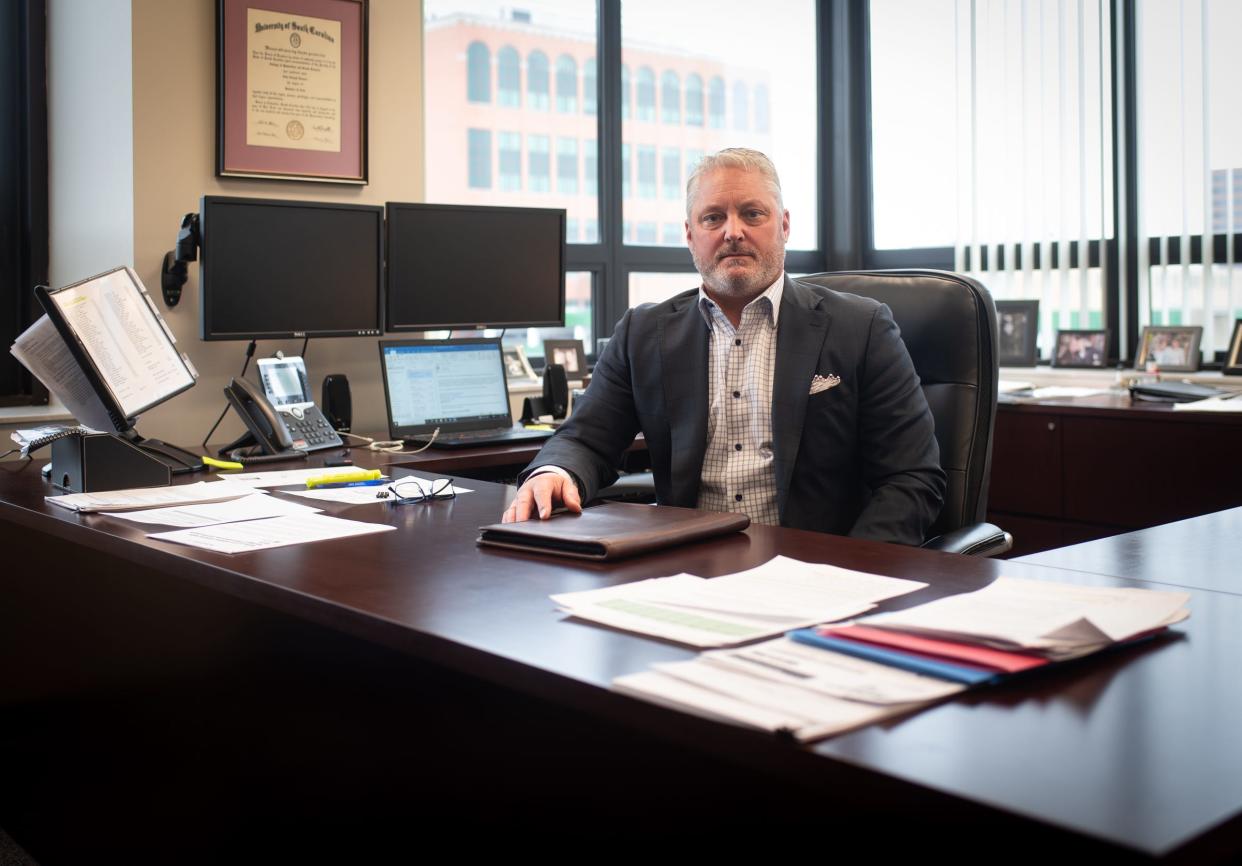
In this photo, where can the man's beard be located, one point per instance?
(719, 277)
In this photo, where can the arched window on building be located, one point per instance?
(670, 97)
(646, 93)
(716, 103)
(694, 100)
(588, 86)
(741, 105)
(478, 73)
(537, 80)
(763, 115)
(508, 77)
(566, 84)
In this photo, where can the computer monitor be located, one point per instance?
(276, 269)
(455, 266)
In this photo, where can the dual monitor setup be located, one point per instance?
(275, 269)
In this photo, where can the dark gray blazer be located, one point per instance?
(857, 459)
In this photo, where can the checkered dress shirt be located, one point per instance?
(738, 468)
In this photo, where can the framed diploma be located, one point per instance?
(291, 89)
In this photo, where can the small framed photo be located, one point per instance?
(1233, 358)
(516, 365)
(567, 353)
(1081, 349)
(1018, 326)
(1174, 348)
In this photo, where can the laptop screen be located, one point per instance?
(451, 384)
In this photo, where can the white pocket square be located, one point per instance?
(823, 383)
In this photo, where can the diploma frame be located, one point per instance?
(237, 158)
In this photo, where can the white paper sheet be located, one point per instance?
(1231, 403)
(361, 495)
(43, 352)
(273, 532)
(256, 506)
(150, 497)
(780, 595)
(1014, 613)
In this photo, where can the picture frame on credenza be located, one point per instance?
(1017, 325)
(569, 354)
(1172, 348)
(1233, 357)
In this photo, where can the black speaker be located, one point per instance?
(555, 391)
(337, 405)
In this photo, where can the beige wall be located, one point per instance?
(173, 146)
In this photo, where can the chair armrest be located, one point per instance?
(977, 539)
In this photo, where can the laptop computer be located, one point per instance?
(457, 386)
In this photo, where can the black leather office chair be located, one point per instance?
(948, 323)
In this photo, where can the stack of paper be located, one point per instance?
(825, 680)
(772, 598)
(784, 687)
(1055, 620)
(151, 497)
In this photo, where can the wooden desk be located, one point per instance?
(1066, 471)
(162, 703)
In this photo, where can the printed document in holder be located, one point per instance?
(127, 355)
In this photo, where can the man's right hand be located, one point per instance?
(540, 494)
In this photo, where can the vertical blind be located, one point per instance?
(1033, 114)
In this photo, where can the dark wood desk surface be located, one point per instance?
(1201, 552)
(1134, 753)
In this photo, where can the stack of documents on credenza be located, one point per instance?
(820, 681)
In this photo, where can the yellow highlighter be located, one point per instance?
(222, 464)
(344, 477)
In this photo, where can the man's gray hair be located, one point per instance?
(735, 157)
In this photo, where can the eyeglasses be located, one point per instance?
(409, 490)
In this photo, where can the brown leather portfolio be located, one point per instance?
(612, 530)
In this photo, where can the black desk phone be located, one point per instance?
(284, 417)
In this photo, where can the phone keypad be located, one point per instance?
(312, 431)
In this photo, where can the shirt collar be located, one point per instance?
(773, 293)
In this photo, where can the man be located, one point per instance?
(755, 393)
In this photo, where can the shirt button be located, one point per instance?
(737, 447)
(737, 342)
(737, 497)
(737, 393)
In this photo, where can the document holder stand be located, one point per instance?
(105, 461)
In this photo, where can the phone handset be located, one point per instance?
(261, 419)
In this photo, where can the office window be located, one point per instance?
(1016, 183)
(508, 77)
(589, 87)
(672, 234)
(741, 106)
(625, 171)
(478, 73)
(653, 37)
(538, 166)
(625, 92)
(670, 173)
(694, 100)
(647, 173)
(670, 97)
(509, 145)
(590, 170)
(652, 288)
(763, 113)
(566, 84)
(1189, 72)
(692, 159)
(646, 93)
(537, 80)
(479, 146)
(646, 233)
(716, 103)
(567, 166)
(571, 230)
(590, 231)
